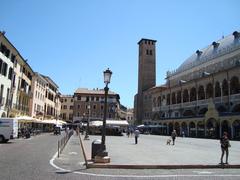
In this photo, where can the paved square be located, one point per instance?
(152, 150)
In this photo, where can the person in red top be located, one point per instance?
(224, 141)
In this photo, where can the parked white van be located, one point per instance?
(8, 129)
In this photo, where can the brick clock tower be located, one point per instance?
(146, 74)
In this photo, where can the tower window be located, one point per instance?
(147, 51)
(150, 52)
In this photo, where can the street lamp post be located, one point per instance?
(87, 130)
(107, 78)
(82, 123)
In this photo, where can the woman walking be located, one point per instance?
(225, 144)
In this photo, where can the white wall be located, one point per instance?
(5, 82)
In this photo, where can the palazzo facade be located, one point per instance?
(200, 98)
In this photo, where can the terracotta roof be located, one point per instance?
(92, 91)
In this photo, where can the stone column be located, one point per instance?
(197, 93)
(205, 92)
(229, 96)
(220, 128)
(196, 130)
(181, 97)
(188, 95)
(205, 128)
(232, 133)
(188, 130)
(221, 91)
(213, 86)
(168, 129)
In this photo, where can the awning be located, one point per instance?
(117, 122)
(25, 119)
(53, 121)
(109, 123)
(151, 126)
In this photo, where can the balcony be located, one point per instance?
(186, 118)
(235, 97)
(217, 100)
(189, 104)
(175, 106)
(203, 102)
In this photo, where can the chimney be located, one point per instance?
(215, 44)
(199, 52)
(236, 34)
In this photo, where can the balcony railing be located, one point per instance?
(235, 97)
(189, 104)
(203, 102)
(175, 106)
(184, 117)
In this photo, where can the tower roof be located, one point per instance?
(144, 39)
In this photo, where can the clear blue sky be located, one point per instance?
(74, 41)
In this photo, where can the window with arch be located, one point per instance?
(193, 94)
(154, 102)
(236, 108)
(159, 101)
(209, 91)
(225, 87)
(185, 96)
(201, 93)
(173, 98)
(222, 108)
(188, 113)
(202, 111)
(217, 89)
(179, 97)
(168, 99)
(234, 85)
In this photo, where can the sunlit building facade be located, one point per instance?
(7, 59)
(16, 91)
(90, 104)
(67, 102)
(200, 98)
(52, 107)
(37, 102)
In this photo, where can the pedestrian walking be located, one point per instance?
(77, 131)
(128, 132)
(131, 132)
(174, 135)
(183, 134)
(225, 144)
(136, 133)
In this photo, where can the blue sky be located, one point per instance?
(74, 41)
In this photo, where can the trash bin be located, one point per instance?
(96, 146)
